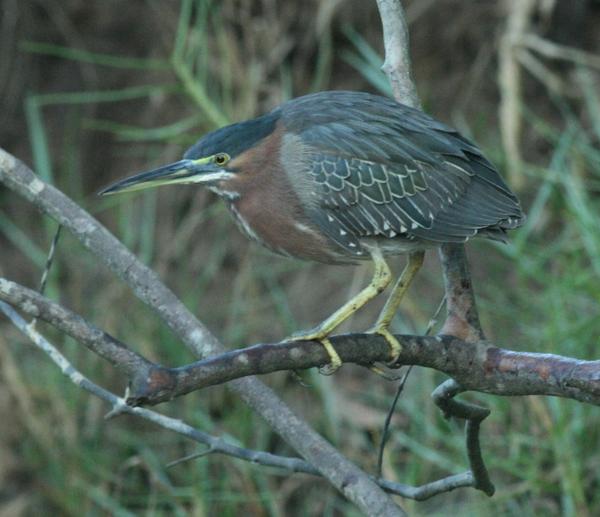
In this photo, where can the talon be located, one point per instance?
(395, 346)
(335, 358)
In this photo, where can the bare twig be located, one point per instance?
(190, 457)
(48, 266)
(119, 405)
(50, 259)
(397, 54)
(434, 488)
(462, 318)
(35, 305)
(443, 396)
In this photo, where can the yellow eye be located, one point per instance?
(221, 158)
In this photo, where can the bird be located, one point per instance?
(342, 177)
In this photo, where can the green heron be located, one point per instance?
(339, 177)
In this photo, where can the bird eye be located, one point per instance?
(221, 158)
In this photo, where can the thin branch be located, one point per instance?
(388, 419)
(119, 405)
(462, 318)
(397, 53)
(434, 488)
(49, 262)
(50, 259)
(443, 396)
(215, 444)
(38, 306)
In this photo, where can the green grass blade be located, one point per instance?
(128, 133)
(94, 58)
(37, 136)
(94, 96)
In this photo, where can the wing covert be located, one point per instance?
(384, 169)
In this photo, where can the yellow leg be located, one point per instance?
(415, 261)
(381, 279)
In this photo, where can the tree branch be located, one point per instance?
(462, 318)
(397, 52)
(476, 366)
(215, 444)
(38, 306)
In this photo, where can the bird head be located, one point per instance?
(209, 162)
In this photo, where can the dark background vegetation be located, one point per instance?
(91, 91)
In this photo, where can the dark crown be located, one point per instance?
(235, 138)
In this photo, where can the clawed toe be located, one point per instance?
(395, 346)
(335, 359)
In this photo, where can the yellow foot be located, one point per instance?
(395, 346)
(335, 358)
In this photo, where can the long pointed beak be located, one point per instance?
(183, 171)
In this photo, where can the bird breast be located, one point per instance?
(269, 209)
